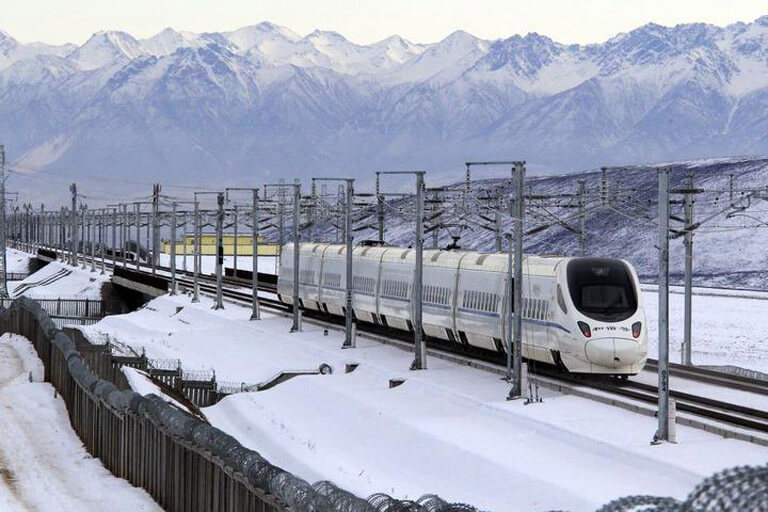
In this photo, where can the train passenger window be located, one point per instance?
(307, 276)
(332, 279)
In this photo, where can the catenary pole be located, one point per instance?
(349, 238)
(124, 234)
(517, 379)
(184, 242)
(3, 227)
(582, 218)
(662, 434)
(235, 244)
(420, 363)
(102, 238)
(256, 312)
(296, 247)
(155, 226)
(420, 353)
(92, 239)
(73, 248)
(688, 243)
(510, 318)
(379, 207)
(349, 335)
(195, 252)
(219, 304)
(173, 249)
(114, 236)
(138, 233)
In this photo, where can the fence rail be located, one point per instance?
(75, 309)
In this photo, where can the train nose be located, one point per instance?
(613, 352)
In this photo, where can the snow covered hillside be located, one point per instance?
(265, 99)
(59, 280)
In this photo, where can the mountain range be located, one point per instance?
(263, 101)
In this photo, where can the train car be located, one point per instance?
(582, 314)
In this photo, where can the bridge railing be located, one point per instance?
(75, 311)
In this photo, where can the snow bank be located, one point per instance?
(50, 283)
(43, 464)
(447, 430)
(172, 328)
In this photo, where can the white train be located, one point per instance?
(582, 314)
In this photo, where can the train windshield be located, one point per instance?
(602, 289)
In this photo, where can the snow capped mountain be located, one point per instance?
(444, 61)
(265, 99)
(265, 35)
(12, 51)
(106, 48)
(168, 41)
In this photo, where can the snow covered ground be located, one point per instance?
(16, 262)
(447, 430)
(43, 464)
(727, 329)
(60, 280)
(267, 264)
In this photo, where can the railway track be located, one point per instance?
(725, 412)
(717, 410)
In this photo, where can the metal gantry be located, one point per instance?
(3, 227)
(296, 205)
(255, 233)
(420, 350)
(349, 237)
(514, 320)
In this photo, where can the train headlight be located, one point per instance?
(585, 330)
(636, 329)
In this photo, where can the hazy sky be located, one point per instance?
(366, 21)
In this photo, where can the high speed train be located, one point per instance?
(584, 315)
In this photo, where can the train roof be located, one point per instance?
(466, 260)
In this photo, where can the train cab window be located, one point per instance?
(602, 289)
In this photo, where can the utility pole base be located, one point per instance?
(514, 393)
(417, 365)
(351, 341)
